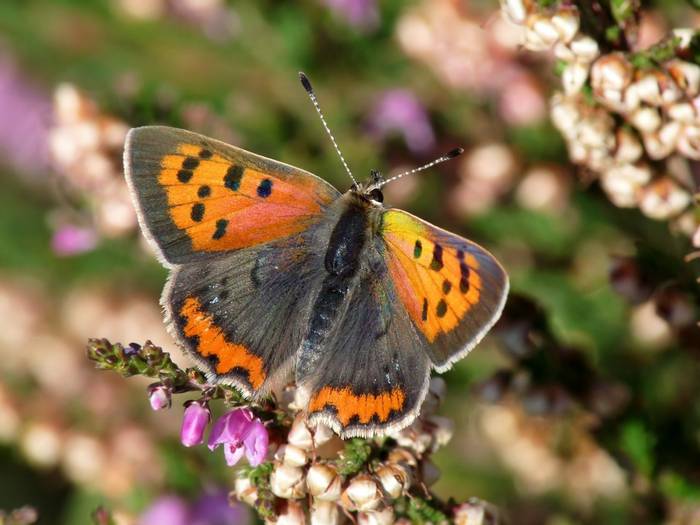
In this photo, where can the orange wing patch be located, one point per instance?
(437, 283)
(212, 342)
(224, 206)
(365, 406)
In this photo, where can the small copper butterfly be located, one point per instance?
(274, 275)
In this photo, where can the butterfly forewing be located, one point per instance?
(197, 196)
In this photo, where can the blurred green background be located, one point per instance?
(400, 82)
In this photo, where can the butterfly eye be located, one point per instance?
(376, 195)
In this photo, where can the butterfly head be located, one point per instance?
(371, 190)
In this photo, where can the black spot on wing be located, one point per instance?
(197, 212)
(446, 287)
(436, 264)
(232, 179)
(441, 308)
(205, 154)
(417, 249)
(265, 188)
(220, 231)
(424, 315)
(184, 176)
(464, 277)
(190, 163)
(203, 192)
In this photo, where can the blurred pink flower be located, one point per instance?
(522, 102)
(73, 240)
(240, 431)
(362, 14)
(194, 423)
(172, 510)
(159, 397)
(400, 111)
(26, 116)
(211, 508)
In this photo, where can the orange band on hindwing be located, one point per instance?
(364, 406)
(212, 343)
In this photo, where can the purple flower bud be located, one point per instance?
(194, 422)
(167, 509)
(239, 431)
(159, 396)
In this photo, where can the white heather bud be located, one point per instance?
(585, 48)
(661, 144)
(322, 434)
(323, 482)
(429, 472)
(628, 149)
(402, 456)
(657, 88)
(540, 33)
(563, 52)
(683, 112)
(646, 119)
(413, 437)
(663, 199)
(686, 75)
(245, 491)
(394, 479)
(574, 77)
(566, 21)
(611, 72)
(292, 456)
(623, 183)
(515, 10)
(689, 142)
(469, 514)
(287, 482)
(324, 513)
(292, 514)
(685, 34)
(381, 517)
(565, 114)
(362, 494)
(300, 434)
(442, 429)
(578, 152)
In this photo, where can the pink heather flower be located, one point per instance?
(362, 14)
(194, 422)
(159, 397)
(73, 240)
(172, 510)
(240, 431)
(400, 111)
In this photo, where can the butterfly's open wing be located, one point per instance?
(240, 233)
(241, 315)
(452, 289)
(372, 374)
(197, 196)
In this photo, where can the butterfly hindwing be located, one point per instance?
(371, 374)
(198, 197)
(453, 290)
(241, 315)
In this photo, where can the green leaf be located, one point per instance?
(638, 443)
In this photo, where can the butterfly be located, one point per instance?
(274, 275)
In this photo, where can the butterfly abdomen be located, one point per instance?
(342, 261)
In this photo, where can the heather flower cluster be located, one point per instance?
(630, 116)
(297, 470)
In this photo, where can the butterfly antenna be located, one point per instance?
(310, 91)
(450, 155)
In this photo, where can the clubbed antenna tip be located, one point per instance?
(305, 82)
(455, 153)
